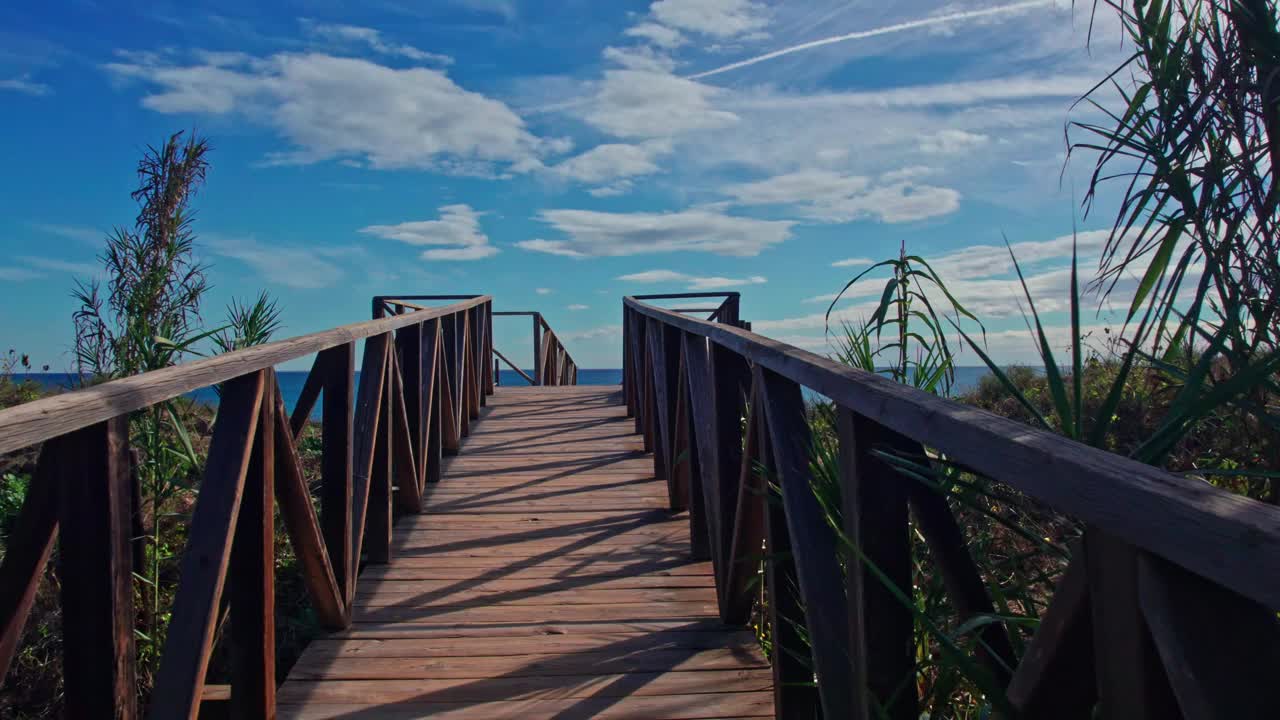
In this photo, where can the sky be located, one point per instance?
(561, 155)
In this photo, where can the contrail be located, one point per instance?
(886, 30)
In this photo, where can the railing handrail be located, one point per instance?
(1232, 540)
(40, 420)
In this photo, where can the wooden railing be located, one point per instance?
(424, 375)
(552, 364)
(1168, 610)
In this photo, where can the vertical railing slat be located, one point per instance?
(881, 629)
(24, 562)
(337, 462)
(179, 682)
(92, 470)
(815, 552)
(252, 642)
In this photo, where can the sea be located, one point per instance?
(291, 382)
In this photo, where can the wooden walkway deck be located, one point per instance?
(545, 580)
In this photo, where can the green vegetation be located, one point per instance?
(147, 318)
(1187, 383)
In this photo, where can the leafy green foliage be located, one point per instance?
(916, 351)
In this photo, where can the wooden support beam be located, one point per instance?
(747, 531)
(794, 695)
(1197, 627)
(24, 562)
(368, 421)
(299, 516)
(180, 680)
(432, 374)
(310, 393)
(337, 465)
(1132, 684)
(408, 493)
(1055, 679)
(880, 629)
(92, 471)
(252, 643)
(378, 526)
(814, 549)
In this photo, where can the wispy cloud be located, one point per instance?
(946, 19)
(543, 291)
(693, 282)
(60, 266)
(457, 234)
(601, 234)
(25, 85)
(81, 233)
(853, 262)
(577, 307)
(372, 39)
(291, 266)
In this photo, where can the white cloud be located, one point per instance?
(347, 108)
(694, 282)
(23, 84)
(370, 38)
(543, 291)
(576, 307)
(457, 232)
(716, 18)
(596, 234)
(610, 332)
(980, 261)
(951, 142)
(829, 196)
(660, 35)
(852, 262)
(291, 266)
(612, 161)
(622, 187)
(640, 58)
(654, 104)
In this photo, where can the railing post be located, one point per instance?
(336, 463)
(252, 573)
(881, 640)
(537, 349)
(434, 390)
(91, 467)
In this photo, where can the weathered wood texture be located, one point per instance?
(546, 578)
(1128, 633)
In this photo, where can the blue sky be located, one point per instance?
(556, 155)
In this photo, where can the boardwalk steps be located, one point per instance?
(544, 579)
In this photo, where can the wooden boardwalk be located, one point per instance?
(546, 579)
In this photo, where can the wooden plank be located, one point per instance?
(671, 707)
(95, 561)
(24, 562)
(1055, 679)
(815, 553)
(408, 493)
(732, 379)
(337, 463)
(748, 530)
(30, 423)
(380, 511)
(964, 584)
(1196, 627)
(303, 526)
(1227, 538)
(794, 695)
(409, 344)
(315, 382)
(539, 582)
(180, 679)
(365, 440)
(252, 640)
(880, 629)
(1131, 681)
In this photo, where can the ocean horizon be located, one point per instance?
(291, 382)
